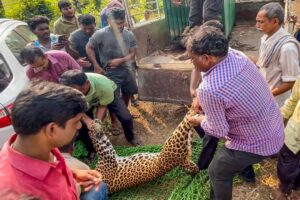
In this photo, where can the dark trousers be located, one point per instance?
(288, 169)
(209, 147)
(119, 108)
(204, 10)
(224, 166)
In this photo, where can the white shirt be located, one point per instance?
(285, 69)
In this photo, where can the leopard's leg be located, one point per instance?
(190, 167)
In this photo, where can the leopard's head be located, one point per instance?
(97, 128)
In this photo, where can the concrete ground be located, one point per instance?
(245, 38)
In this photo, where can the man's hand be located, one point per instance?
(87, 179)
(83, 62)
(176, 2)
(196, 105)
(88, 122)
(193, 93)
(57, 46)
(115, 62)
(98, 69)
(195, 120)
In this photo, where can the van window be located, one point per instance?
(16, 43)
(5, 75)
(26, 33)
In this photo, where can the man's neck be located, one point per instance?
(273, 32)
(44, 41)
(30, 146)
(69, 19)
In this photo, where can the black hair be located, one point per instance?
(209, 40)
(45, 102)
(116, 13)
(214, 23)
(86, 19)
(63, 3)
(36, 20)
(29, 54)
(73, 77)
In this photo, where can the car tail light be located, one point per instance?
(5, 116)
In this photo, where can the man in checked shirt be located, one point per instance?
(238, 107)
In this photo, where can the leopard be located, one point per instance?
(129, 171)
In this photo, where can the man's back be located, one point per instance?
(101, 91)
(240, 107)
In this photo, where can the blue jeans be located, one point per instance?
(92, 194)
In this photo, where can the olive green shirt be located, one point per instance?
(101, 91)
(291, 111)
(64, 27)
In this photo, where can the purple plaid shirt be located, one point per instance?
(239, 107)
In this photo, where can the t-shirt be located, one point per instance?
(110, 47)
(101, 90)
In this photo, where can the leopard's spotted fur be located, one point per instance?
(123, 172)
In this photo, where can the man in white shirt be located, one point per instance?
(279, 52)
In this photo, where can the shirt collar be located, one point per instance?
(21, 162)
(272, 36)
(66, 21)
(216, 65)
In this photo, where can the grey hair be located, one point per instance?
(274, 10)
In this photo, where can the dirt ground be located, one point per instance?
(155, 123)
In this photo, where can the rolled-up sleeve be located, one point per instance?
(215, 122)
(289, 61)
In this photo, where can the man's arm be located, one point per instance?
(289, 63)
(56, 28)
(72, 64)
(118, 61)
(83, 62)
(87, 179)
(90, 52)
(214, 122)
(195, 81)
(101, 112)
(286, 86)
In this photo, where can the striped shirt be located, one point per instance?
(239, 107)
